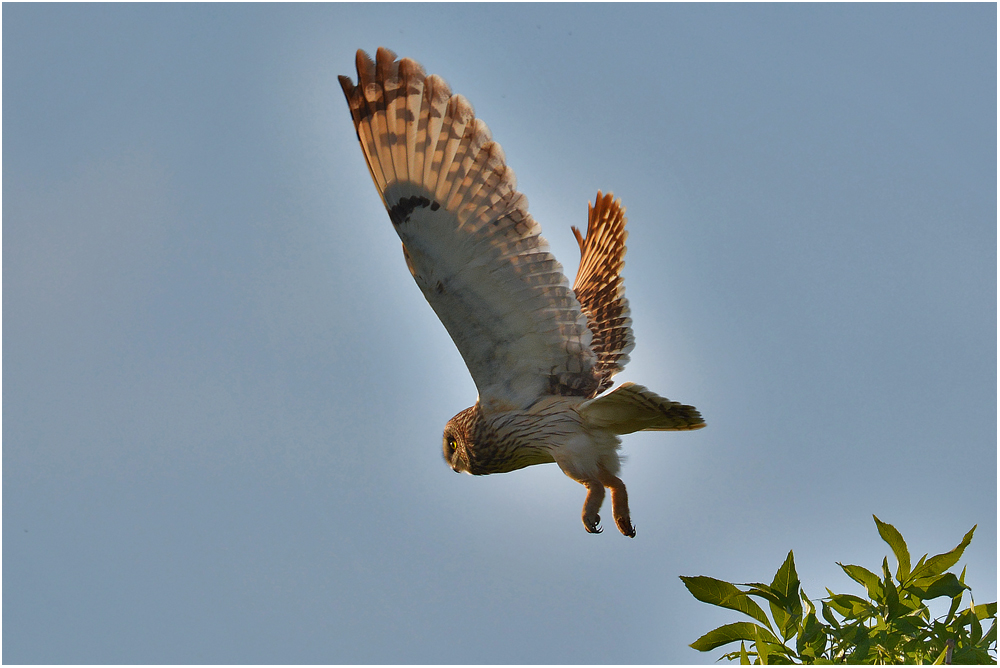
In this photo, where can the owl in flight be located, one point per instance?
(541, 354)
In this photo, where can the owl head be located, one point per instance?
(482, 446)
(458, 445)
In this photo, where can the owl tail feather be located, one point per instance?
(632, 407)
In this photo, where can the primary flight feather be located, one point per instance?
(539, 352)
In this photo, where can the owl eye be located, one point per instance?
(453, 443)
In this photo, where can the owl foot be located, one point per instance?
(619, 504)
(595, 497)
(625, 525)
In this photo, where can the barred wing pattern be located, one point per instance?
(469, 241)
(600, 289)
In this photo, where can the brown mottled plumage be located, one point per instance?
(600, 288)
(539, 352)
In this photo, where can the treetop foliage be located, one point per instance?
(892, 625)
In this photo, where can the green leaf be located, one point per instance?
(744, 659)
(956, 602)
(991, 636)
(849, 605)
(976, 627)
(786, 582)
(895, 540)
(865, 577)
(984, 610)
(862, 646)
(934, 587)
(811, 629)
(786, 586)
(941, 562)
(894, 609)
(782, 621)
(730, 633)
(912, 603)
(829, 616)
(724, 595)
(774, 600)
(763, 591)
(818, 646)
(809, 607)
(919, 563)
(908, 624)
(762, 647)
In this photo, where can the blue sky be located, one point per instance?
(224, 395)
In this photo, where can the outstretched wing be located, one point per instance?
(467, 236)
(600, 289)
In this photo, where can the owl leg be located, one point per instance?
(595, 497)
(619, 503)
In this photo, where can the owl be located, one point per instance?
(542, 354)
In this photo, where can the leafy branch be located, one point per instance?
(892, 625)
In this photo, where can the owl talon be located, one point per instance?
(625, 526)
(593, 526)
(595, 497)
